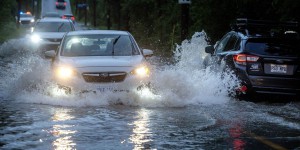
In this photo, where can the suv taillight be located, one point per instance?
(242, 59)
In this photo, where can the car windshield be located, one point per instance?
(53, 27)
(274, 47)
(25, 15)
(52, 14)
(98, 45)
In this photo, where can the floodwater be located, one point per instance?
(190, 109)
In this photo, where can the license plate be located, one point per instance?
(105, 89)
(278, 68)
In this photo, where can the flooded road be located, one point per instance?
(190, 110)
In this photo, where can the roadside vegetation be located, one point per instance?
(8, 28)
(156, 24)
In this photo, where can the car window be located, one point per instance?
(53, 27)
(52, 14)
(221, 45)
(273, 47)
(98, 45)
(231, 43)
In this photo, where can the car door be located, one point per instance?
(223, 50)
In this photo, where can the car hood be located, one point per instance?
(50, 35)
(102, 61)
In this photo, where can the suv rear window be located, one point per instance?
(274, 46)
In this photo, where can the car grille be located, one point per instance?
(25, 22)
(104, 77)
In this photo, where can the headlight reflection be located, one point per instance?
(63, 132)
(141, 136)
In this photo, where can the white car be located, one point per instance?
(26, 19)
(47, 33)
(99, 60)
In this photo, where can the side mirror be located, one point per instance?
(50, 54)
(209, 49)
(147, 52)
(216, 44)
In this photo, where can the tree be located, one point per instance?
(7, 19)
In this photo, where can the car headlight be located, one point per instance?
(35, 38)
(64, 72)
(32, 20)
(141, 71)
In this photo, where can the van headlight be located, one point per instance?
(64, 72)
(141, 71)
(35, 38)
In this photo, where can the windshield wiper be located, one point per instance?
(61, 25)
(113, 46)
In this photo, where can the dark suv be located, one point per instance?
(265, 56)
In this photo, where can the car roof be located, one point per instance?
(51, 12)
(92, 32)
(67, 15)
(53, 19)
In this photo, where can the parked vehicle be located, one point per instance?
(99, 61)
(264, 55)
(60, 4)
(48, 32)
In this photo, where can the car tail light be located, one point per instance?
(242, 59)
(72, 18)
(65, 3)
(56, 3)
(242, 89)
(64, 17)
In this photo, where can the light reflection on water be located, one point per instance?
(61, 131)
(141, 136)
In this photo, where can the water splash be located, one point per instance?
(186, 82)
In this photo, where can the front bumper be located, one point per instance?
(43, 46)
(78, 84)
(46, 47)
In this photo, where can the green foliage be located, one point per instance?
(7, 20)
(156, 24)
